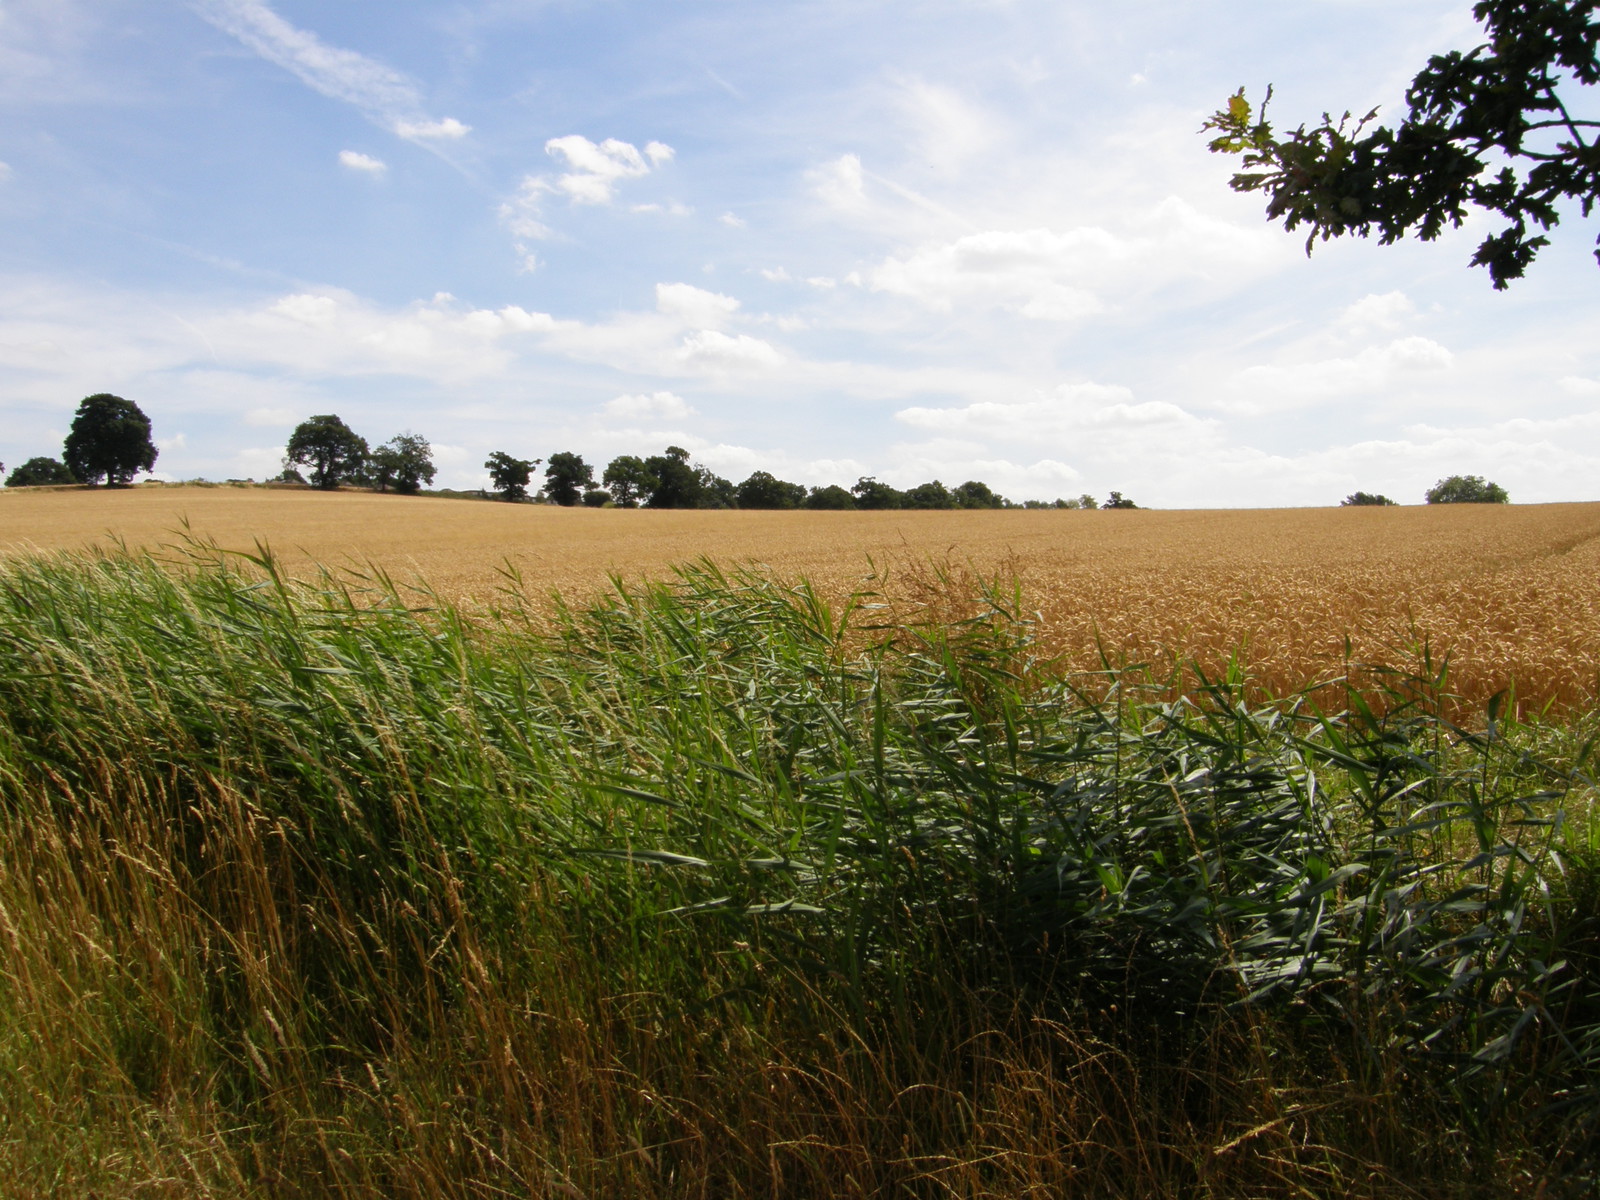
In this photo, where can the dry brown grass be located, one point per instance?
(1512, 592)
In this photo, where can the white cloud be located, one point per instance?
(5, 172)
(308, 309)
(1275, 387)
(947, 130)
(775, 274)
(1052, 275)
(522, 213)
(731, 221)
(1032, 272)
(356, 161)
(1063, 413)
(841, 184)
(447, 130)
(661, 406)
(1376, 314)
(176, 442)
(1577, 385)
(694, 306)
(385, 95)
(271, 418)
(595, 170)
(706, 349)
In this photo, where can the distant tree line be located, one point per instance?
(672, 480)
(110, 441)
(333, 455)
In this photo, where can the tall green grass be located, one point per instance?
(712, 888)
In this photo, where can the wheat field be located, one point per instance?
(1512, 593)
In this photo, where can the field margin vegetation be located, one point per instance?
(716, 887)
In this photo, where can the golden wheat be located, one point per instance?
(1512, 593)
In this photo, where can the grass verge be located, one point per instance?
(712, 888)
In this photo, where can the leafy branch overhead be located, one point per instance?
(1492, 128)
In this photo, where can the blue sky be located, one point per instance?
(944, 239)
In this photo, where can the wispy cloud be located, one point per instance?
(387, 96)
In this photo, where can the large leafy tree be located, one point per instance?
(1496, 128)
(629, 480)
(330, 448)
(872, 494)
(38, 472)
(974, 493)
(765, 490)
(566, 478)
(932, 494)
(510, 474)
(404, 462)
(677, 483)
(833, 497)
(1467, 489)
(109, 440)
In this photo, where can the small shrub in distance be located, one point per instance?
(1117, 500)
(596, 498)
(1467, 489)
(40, 472)
(1363, 499)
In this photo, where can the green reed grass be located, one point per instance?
(713, 888)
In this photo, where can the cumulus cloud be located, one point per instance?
(709, 350)
(1577, 385)
(1060, 414)
(308, 309)
(660, 406)
(5, 172)
(595, 170)
(385, 95)
(1031, 271)
(356, 161)
(1376, 314)
(447, 130)
(732, 221)
(1063, 275)
(694, 306)
(1267, 388)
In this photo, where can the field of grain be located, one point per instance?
(1511, 592)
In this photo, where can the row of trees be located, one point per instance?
(110, 440)
(671, 480)
(334, 454)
